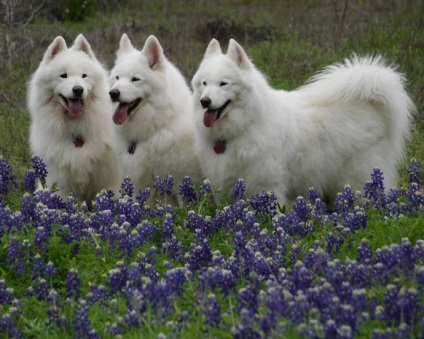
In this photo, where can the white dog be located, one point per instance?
(71, 129)
(333, 131)
(153, 117)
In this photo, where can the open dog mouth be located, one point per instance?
(124, 110)
(74, 106)
(212, 115)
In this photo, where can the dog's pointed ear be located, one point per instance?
(153, 51)
(238, 55)
(213, 48)
(125, 45)
(58, 45)
(81, 44)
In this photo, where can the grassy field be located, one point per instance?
(212, 271)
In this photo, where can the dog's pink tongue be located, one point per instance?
(74, 107)
(210, 117)
(121, 113)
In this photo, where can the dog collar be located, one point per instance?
(220, 146)
(131, 148)
(78, 142)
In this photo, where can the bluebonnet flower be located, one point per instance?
(8, 327)
(245, 328)
(82, 325)
(143, 196)
(414, 172)
(6, 294)
(364, 251)
(374, 190)
(205, 188)
(41, 237)
(42, 289)
(16, 256)
(116, 279)
(39, 167)
(175, 278)
(163, 186)
(409, 305)
(200, 254)
(345, 201)
(301, 277)
(73, 284)
(7, 180)
(173, 247)
(97, 293)
(38, 267)
(187, 191)
(212, 310)
(239, 190)
(104, 201)
(301, 208)
(50, 269)
(127, 187)
(214, 277)
(264, 203)
(115, 330)
(29, 181)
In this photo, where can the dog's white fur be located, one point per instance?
(333, 131)
(55, 126)
(161, 127)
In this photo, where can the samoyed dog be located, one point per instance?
(153, 117)
(70, 120)
(347, 120)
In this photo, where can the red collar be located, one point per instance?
(220, 146)
(78, 142)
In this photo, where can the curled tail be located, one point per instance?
(371, 80)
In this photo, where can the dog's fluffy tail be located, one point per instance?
(368, 79)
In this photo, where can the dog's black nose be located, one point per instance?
(205, 102)
(77, 90)
(114, 94)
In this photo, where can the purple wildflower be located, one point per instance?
(6, 294)
(163, 186)
(7, 180)
(29, 181)
(73, 284)
(187, 191)
(8, 327)
(39, 167)
(264, 203)
(414, 172)
(127, 187)
(205, 188)
(82, 325)
(374, 190)
(212, 310)
(239, 190)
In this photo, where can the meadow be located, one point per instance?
(246, 268)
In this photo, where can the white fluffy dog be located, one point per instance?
(333, 131)
(153, 117)
(71, 125)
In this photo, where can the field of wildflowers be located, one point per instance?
(245, 269)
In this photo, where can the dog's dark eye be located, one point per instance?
(134, 79)
(84, 75)
(117, 77)
(223, 83)
(64, 75)
(204, 83)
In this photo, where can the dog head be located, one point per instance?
(136, 75)
(69, 74)
(221, 83)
